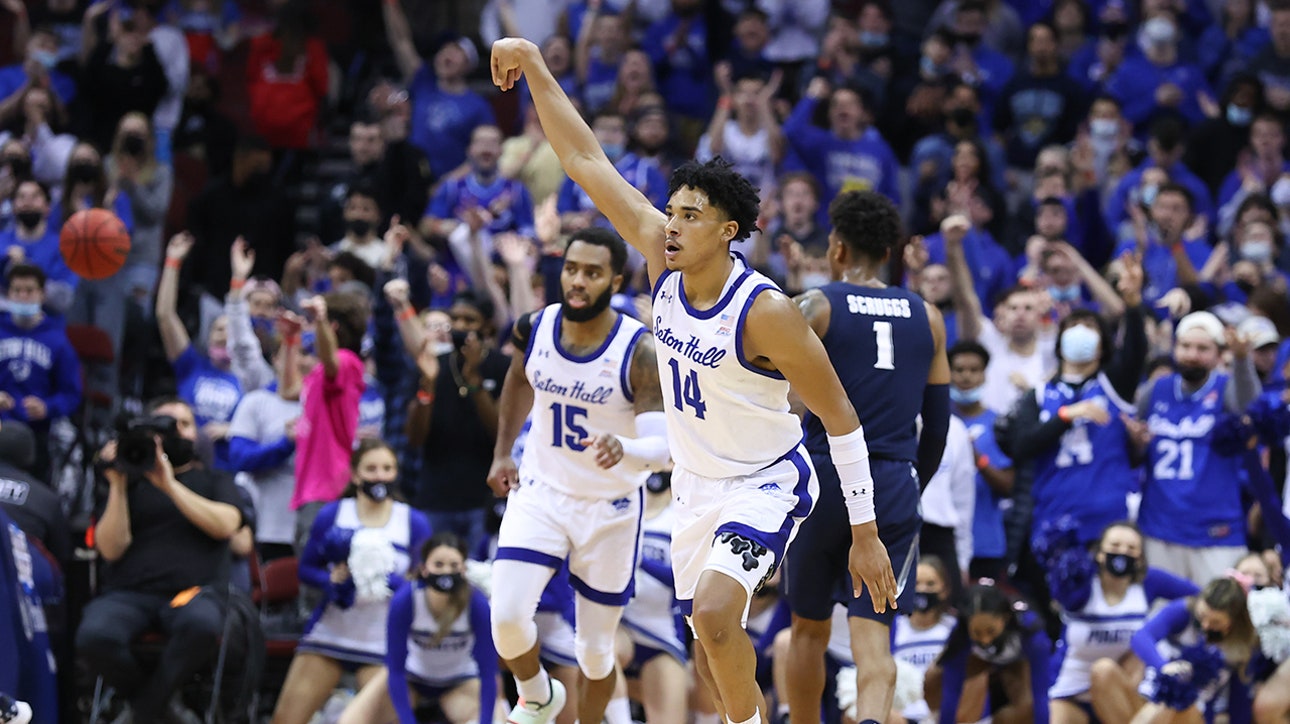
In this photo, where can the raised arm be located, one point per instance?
(174, 338)
(635, 218)
(399, 35)
(777, 336)
(963, 292)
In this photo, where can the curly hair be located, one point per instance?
(867, 222)
(726, 190)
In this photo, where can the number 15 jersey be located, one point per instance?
(725, 417)
(577, 397)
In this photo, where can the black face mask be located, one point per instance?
(969, 39)
(1193, 374)
(1120, 565)
(444, 582)
(962, 117)
(589, 312)
(19, 166)
(924, 602)
(83, 172)
(358, 227)
(658, 482)
(29, 219)
(180, 450)
(1213, 637)
(134, 145)
(377, 490)
(1245, 286)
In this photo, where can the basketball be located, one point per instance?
(94, 243)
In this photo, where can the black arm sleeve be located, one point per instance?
(936, 425)
(1030, 436)
(1125, 371)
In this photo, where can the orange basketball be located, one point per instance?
(94, 243)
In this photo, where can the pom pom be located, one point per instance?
(342, 594)
(1232, 435)
(335, 547)
(480, 575)
(1270, 418)
(1179, 689)
(1207, 663)
(1270, 614)
(846, 691)
(1069, 573)
(1171, 690)
(909, 685)
(1055, 537)
(371, 561)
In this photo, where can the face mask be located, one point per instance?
(19, 166)
(1120, 565)
(1148, 195)
(658, 482)
(1079, 344)
(1245, 286)
(180, 450)
(1238, 116)
(358, 227)
(83, 172)
(1003, 650)
(1104, 128)
(377, 490)
(262, 325)
(1212, 636)
(814, 280)
(45, 58)
(969, 39)
(1258, 251)
(444, 582)
(1065, 294)
(962, 117)
(871, 39)
(614, 151)
(29, 219)
(133, 145)
(24, 310)
(219, 355)
(442, 348)
(1193, 374)
(928, 67)
(924, 602)
(970, 396)
(1280, 192)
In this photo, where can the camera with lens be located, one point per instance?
(136, 442)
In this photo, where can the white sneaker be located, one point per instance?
(533, 713)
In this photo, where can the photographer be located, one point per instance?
(163, 529)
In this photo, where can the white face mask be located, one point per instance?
(1103, 129)
(1079, 344)
(1258, 251)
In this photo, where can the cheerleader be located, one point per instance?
(1096, 671)
(357, 550)
(439, 646)
(654, 656)
(919, 638)
(1209, 643)
(994, 635)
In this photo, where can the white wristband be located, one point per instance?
(851, 458)
(648, 450)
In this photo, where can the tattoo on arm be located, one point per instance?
(647, 392)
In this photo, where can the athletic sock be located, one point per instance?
(536, 690)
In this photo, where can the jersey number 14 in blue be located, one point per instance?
(686, 392)
(568, 417)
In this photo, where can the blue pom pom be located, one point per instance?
(1206, 661)
(1054, 538)
(1271, 419)
(1232, 435)
(1069, 573)
(335, 546)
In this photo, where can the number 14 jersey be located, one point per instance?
(725, 417)
(577, 397)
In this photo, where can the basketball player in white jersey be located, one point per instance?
(729, 344)
(587, 374)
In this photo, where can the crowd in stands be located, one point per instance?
(335, 220)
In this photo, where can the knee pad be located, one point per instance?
(513, 636)
(595, 655)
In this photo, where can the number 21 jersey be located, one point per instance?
(725, 416)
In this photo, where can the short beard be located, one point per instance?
(589, 312)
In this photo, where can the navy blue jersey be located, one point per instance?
(881, 345)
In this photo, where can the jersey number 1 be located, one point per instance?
(686, 392)
(886, 350)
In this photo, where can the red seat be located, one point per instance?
(92, 344)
